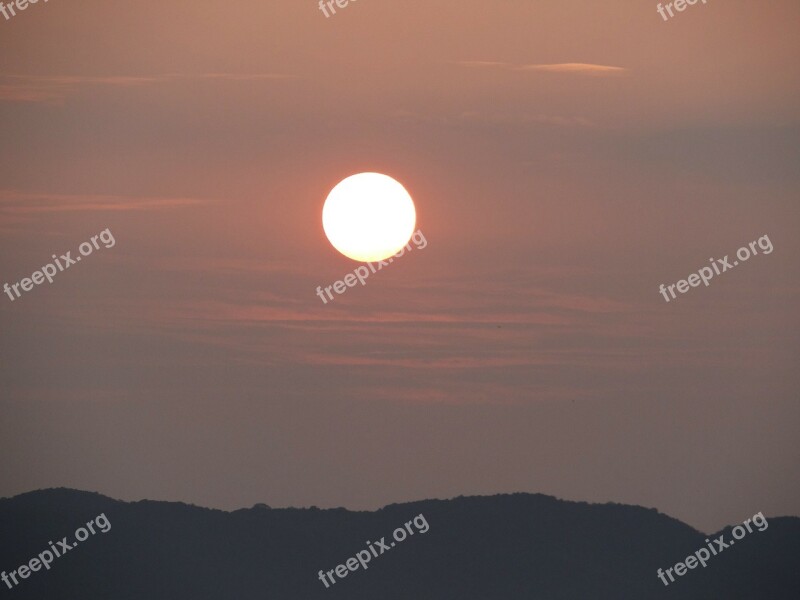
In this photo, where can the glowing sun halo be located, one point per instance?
(369, 217)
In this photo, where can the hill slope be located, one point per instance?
(506, 547)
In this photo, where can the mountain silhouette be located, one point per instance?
(505, 547)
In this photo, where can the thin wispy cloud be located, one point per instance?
(572, 68)
(523, 119)
(476, 117)
(36, 88)
(19, 206)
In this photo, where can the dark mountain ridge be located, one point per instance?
(505, 547)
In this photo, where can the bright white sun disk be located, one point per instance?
(369, 217)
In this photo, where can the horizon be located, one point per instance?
(261, 505)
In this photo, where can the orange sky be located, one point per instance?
(565, 158)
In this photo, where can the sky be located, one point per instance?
(565, 158)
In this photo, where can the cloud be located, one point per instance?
(476, 117)
(522, 119)
(574, 68)
(34, 88)
(17, 206)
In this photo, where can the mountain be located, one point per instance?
(505, 547)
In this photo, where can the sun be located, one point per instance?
(369, 217)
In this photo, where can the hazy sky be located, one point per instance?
(566, 158)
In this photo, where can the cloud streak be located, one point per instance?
(17, 206)
(35, 88)
(571, 68)
(477, 117)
